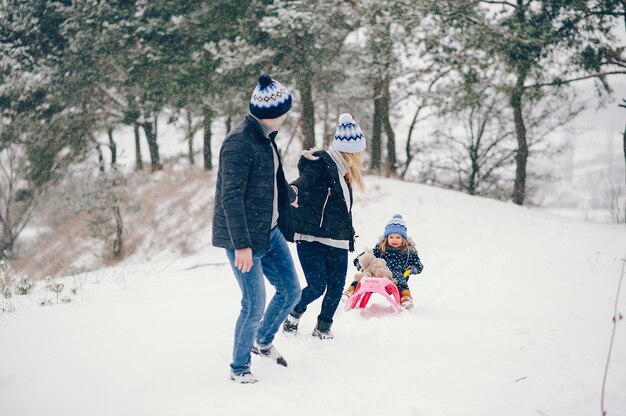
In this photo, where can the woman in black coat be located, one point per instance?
(322, 221)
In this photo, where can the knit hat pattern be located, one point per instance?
(348, 135)
(270, 99)
(396, 225)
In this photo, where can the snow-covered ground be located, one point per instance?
(513, 317)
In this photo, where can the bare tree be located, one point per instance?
(478, 152)
(540, 45)
(190, 127)
(424, 101)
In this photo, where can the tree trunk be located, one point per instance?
(8, 239)
(521, 159)
(119, 230)
(624, 141)
(116, 181)
(519, 190)
(392, 160)
(474, 174)
(152, 146)
(376, 147)
(6, 243)
(326, 133)
(113, 147)
(138, 161)
(408, 150)
(208, 155)
(190, 138)
(6, 247)
(305, 86)
(229, 123)
(156, 125)
(100, 158)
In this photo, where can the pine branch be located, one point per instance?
(621, 64)
(504, 3)
(569, 81)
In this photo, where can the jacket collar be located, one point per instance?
(260, 128)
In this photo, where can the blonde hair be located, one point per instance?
(355, 167)
(408, 244)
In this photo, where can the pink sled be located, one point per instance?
(369, 285)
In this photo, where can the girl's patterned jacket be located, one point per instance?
(398, 260)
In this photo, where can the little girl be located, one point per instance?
(401, 257)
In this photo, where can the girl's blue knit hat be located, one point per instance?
(396, 225)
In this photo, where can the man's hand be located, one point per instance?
(243, 259)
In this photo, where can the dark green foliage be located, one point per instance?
(70, 71)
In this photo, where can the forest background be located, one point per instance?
(492, 98)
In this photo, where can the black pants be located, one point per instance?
(325, 270)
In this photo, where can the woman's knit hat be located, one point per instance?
(396, 225)
(270, 99)
(348, 135)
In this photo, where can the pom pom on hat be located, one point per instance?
(346, 118)
(265, 80)
(270, 99)
(348, 135)
(396, 225)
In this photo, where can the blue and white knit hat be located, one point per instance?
(396, 225)
(270, 98)
(348, 135)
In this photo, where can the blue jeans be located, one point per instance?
(276, 264)
(325, 270)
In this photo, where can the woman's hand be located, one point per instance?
(294, 203)
(243, 259)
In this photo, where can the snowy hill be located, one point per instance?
(513, 317)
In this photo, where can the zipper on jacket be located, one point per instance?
(324, 208)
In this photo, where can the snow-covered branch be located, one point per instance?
(560, 82)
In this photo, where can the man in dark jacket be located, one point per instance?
(251, 220)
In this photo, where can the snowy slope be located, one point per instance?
(513, 317)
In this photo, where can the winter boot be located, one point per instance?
(322, 330)
(347, 294)
(269, 351)
(290, 326)
(406, 299)
(243, 378)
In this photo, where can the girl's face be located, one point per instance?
(395, 240)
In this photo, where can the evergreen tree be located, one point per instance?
(40, 134)
(303, 38)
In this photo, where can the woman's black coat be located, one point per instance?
(322, 210)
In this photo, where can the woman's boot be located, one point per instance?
(290, 326)
(322, 330)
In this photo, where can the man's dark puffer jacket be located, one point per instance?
(322, 208)
(244, 192)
